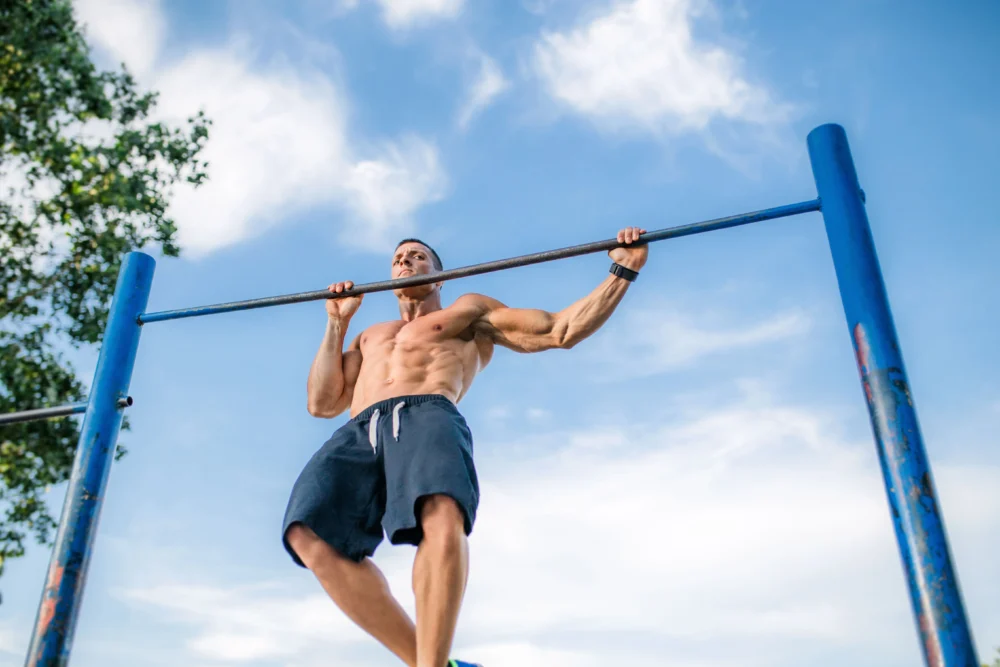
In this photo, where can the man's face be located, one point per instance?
(411, 259)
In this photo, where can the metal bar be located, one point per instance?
(934, 591)
(63, 593)
(50, 413)
(487, 267)
(42, 413)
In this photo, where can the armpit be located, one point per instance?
(484, 328)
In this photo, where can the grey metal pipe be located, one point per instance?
(50, 413)
(487, 267)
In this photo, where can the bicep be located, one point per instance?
(523, 329)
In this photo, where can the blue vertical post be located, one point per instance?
(60, 604)
(923, 545)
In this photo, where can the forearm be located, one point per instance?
(326, 376)
(589, 314)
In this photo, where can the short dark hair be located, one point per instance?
(437, 260)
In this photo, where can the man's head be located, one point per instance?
(413, 257)
(417, 246)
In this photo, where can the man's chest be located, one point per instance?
(427, 331)
(431, 335)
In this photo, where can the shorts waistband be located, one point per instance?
(386, 406)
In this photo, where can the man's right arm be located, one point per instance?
(334, 373)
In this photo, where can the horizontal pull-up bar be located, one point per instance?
(487, 267)
(49, 413)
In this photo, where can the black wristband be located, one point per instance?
(622, 272)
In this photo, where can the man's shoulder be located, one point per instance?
(474, 299)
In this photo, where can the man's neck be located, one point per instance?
(411, 309)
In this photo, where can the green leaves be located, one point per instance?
(87, 176)
(34, 455)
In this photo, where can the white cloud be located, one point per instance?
(715, 482)
(538, 414)
(638, 65)
(498, 412)
(280, 144)
(405, 14)
(277, 624)
(12, 642)
(666, 338)
(488, 84)
(404, 176)
(132, 31)
(743, 535)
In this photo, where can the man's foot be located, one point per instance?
(461, 663)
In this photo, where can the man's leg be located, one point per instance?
(440, 572)
(360, 590)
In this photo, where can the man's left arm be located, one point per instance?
(531, 330)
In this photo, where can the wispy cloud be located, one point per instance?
(538, 414)
(487, 85)
(384, 190)
(506, 413)
(406, 14)
(667, 338)
(280, 142)
(231, 628)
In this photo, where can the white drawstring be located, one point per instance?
(373, 425)
(373, 431)
(395, 420)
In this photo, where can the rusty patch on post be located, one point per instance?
(50, 598)
(862, 353)
(931, 648)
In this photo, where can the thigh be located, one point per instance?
(340, 494)
(431, 455)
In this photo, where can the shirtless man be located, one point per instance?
(403, 462)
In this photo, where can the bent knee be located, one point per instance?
(440, 516)
(304, 542)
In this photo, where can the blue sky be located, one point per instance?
(694, 486)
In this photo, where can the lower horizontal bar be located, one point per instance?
(49, 413)
(487, 267)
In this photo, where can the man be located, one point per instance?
(403, 463)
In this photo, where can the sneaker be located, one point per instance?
(461, 663)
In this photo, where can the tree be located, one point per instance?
(996, 661)
(85, 176)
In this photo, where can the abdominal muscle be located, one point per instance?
(391, 368)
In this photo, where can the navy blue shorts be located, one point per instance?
(374, 470)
